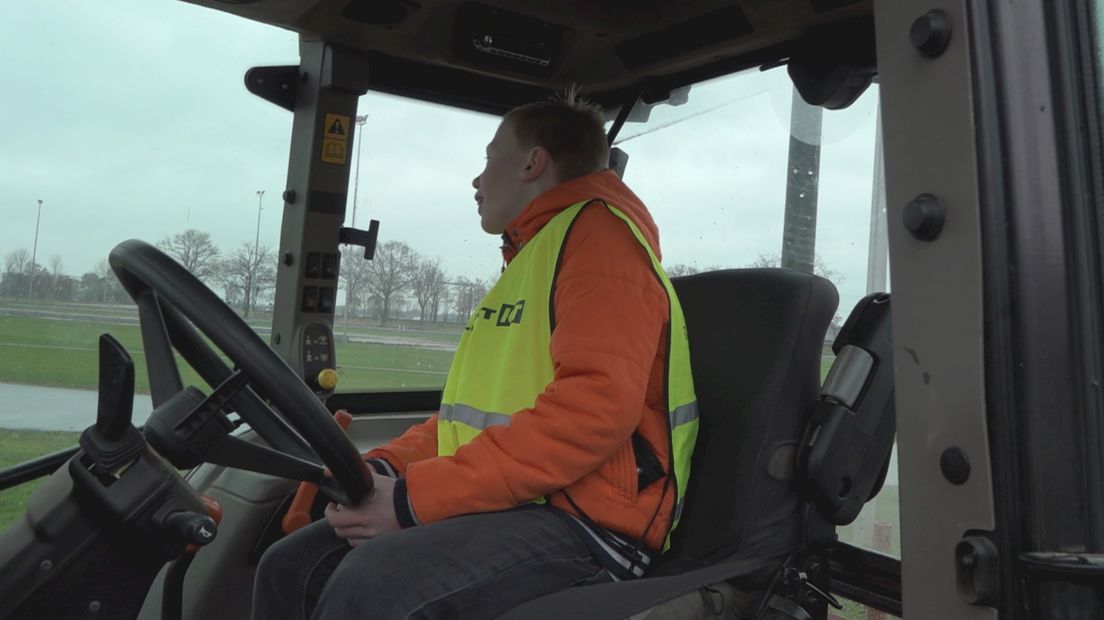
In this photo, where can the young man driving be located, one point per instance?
(561, 451)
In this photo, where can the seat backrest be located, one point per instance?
(756, 340)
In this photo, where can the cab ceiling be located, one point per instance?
(491, 55)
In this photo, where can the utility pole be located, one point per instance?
(257, 238)
(350, 282)
(360, 121)
(802, 179)
(251, 273)
(34, 251)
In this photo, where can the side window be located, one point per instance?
(399, 316)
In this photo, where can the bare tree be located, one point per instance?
(680, 269)
(443, 301)
(250, 271)
(466, 296)
(427, 283)
(15, 273)
(463, 298)
(112, 290)
(353, 273)
(17, 260)
(388, 275)
(479, 290)
(819, 268)
(56, 276)
(194, 250)
(106, 276)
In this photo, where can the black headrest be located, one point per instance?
(756, 338)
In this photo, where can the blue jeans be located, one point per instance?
(469, 567)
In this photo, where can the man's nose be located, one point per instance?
(475, 182)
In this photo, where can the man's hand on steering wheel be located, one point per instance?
(373, 516)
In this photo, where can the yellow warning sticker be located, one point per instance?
(334, 151)
(335, 139)
(337, 127)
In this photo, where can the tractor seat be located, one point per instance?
(756, 341)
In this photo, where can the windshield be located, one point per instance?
(153, 136)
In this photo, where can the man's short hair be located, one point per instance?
(570, 128)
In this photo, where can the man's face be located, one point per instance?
(499, 188)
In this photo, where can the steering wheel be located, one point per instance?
(169, 298)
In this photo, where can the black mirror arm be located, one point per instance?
(363, 238)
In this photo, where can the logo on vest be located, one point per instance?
(505, 315)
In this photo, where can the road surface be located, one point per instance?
(31, 407)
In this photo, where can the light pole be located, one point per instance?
(360, 121)
(349, 281)
(34, 251)
(251, 273)
(257, 237)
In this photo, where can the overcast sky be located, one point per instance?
(129, 119)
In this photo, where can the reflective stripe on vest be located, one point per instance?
(472, 416)
(496, 370)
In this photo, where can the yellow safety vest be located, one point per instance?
(497, 370)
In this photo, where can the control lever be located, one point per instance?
(191, 527)
(112, 443)
(116, 398)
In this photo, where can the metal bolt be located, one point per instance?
(289, 196)
(276, 339)
(46, 565)
(289, 259)
(955, 465)
(94, 607)
(969, 560)
(924, 216)
(931, 33)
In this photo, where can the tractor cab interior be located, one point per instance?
(788, 450)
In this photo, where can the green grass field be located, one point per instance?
(63, 353)
(20, 446)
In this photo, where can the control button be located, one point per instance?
(310, 299)
(327, 379)
(326, 299)
(329, 266)
(314, 265)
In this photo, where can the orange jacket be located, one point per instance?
(609, 354)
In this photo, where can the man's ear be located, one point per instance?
(537, 162)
